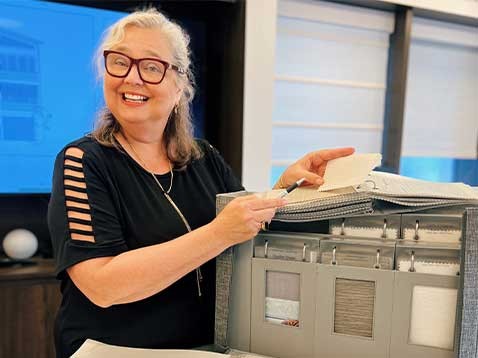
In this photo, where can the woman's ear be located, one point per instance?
(179, 93)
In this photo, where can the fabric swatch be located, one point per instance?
(433, 317)
(375, 232)
(283, 285)
(357, 259)
(436, 268)
(354, 305)
(282, 309)
(433, 235)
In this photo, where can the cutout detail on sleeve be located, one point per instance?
(76, 196)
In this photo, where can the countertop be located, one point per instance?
(41, 269)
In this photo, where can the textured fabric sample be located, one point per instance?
(282, 309)
(223, 288)
(436, 268)
(433, 235)
(283, 285)
(354, 305)
(468, 301)
(433, 312)
(357, 259)
(376, 232)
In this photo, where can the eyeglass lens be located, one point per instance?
(149, 70)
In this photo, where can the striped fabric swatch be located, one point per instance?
(354, 305)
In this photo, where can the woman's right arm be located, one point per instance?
(143, 272)
(93, 251)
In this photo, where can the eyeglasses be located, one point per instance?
(150, 70)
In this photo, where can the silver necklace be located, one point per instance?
(147, 169)
(173, 204)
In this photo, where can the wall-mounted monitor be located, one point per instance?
(49, 91)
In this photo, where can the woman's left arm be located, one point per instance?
(311, 167)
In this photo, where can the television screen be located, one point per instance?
(49, 91)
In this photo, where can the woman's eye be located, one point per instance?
(120, 62)
(153, 68)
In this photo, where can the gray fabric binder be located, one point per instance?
(467, 315)
(466, 332)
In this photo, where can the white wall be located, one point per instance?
(258, 92)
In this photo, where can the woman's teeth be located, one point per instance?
(134, 98)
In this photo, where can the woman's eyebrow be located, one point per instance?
(148, 52)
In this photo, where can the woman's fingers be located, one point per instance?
(253, 202)
(265, 215)
(325, 155)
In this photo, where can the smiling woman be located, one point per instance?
(132, 212)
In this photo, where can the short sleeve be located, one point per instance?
(230, 180)
(83, 219)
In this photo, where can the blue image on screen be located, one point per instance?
(49, 93)
(441, 169)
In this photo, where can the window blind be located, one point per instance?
(441, 112)
(330, 78)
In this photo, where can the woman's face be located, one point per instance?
(157, 100)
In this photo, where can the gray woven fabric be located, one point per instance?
(467, 336)
(223, 285)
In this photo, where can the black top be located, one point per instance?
(128, 211)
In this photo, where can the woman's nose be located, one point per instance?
(133, 76)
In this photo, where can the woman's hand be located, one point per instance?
(311, 167)
(242, 218)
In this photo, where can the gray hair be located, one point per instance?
(178, 133)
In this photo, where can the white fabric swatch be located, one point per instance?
(349, 171)
(436, 268)
(282, 309)
(433, 317)
(433, 235)
(375, 232)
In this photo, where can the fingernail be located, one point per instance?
(284, 202)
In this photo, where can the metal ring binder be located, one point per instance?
(384, 233)
(373, 182)
(377, 261)
(416, 237)
(412, 262)
(342, 230)
(303, 252)
(266, 247)
(334, 257)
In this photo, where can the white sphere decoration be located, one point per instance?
(20, 244)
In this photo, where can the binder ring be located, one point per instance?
(377, 261)
(412, 262)
(416, 236)
(264, 226)
(266, 247)
(334, 257)
(373, 182)
(303, 252)
(384, 233)
(342, 229)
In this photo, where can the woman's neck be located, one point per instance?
(147, 150)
